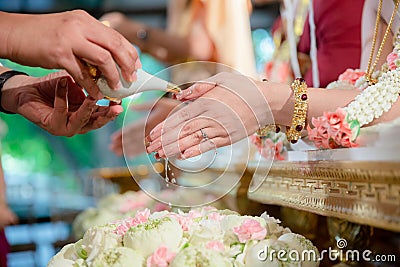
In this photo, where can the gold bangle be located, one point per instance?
(293, 133)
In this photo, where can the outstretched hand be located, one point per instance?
(226, 108)
(56, 104)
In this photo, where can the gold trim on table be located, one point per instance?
(364, 192)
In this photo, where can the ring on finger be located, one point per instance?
(204, 134)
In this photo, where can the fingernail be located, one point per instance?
(118, 86)
(63, 82)
(157, 156)
(173, 96)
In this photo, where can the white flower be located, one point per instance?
(96, 240)
(194, 256)
(65, 258)
(271, 253)
(304, 247)
(147, 237)
(92, 217)
(118, 257)
(204, 231)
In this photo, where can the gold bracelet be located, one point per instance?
(293, 133)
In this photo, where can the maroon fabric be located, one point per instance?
(338, 34)
(4, 249)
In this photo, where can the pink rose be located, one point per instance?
(124, 225)
(391, 58)
(351, 76)
(331, 130)
(215, 245)
(256, 140)
(250, 229)
(161, 257)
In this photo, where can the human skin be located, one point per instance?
(55, 103)
(68, 40)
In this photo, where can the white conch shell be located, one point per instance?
(144, 82)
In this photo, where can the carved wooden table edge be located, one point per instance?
(364, 192)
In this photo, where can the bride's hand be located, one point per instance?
(230, 108)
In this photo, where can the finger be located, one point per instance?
(60, 113)
(123, 52)
(203, 147)
(116, 143)
(103, 60)
(80, 118)
(100, 118)
(177, 118)
(196, 90)
(81, 75)
(177, 133)
(192, 140)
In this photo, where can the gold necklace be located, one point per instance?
(371, 67)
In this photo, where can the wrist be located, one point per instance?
(280, 100)
(10, 92)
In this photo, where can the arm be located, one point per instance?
(230, 107)
(66, 40)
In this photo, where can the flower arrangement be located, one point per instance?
(117, 206)
(341, 128)
(201, 237)
(271, 146)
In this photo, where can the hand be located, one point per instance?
(230, 108)
(7, 216)
(56, 104)
(67, 40)
(134, 133)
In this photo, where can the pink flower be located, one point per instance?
(271, 150)
(160, 207)
(331, 130)
(184, 221)
(215, 216)
(124, 225)
(351, 76)
(215, 245)
(250, 230)
(161, 257)
(256, 140)
(391, 58)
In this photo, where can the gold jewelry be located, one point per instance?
(293, 133)
(371, 66)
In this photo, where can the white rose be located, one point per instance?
(309, 253)
(194, 256)
(118, 257)
(96, 240)
(271, 253)
(204, 231)
(65, 258)
(158, 215)
(147, 237)
(92, 217)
